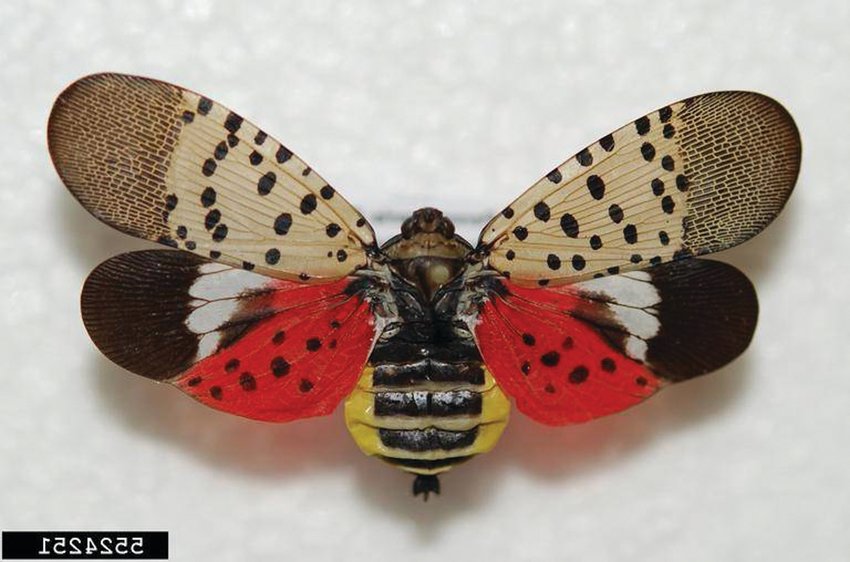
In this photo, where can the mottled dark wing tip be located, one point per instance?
(110, 137)
(742, 153)
(708, 314)
(794, 143)
(789, 144)
(61, 128)
(134, 308)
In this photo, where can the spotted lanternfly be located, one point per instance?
(581, 298)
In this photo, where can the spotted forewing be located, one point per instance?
(163, 163)
(695, 177)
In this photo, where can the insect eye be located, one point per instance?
(407, 228)
(447, 228)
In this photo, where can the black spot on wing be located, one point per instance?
(308, 204)
(283, 223)
(208, 197)
(542, 212)
(647, 151)
(578, 375)
(209, 167)
(642, 125)
(657, 186)
(204, 105)
(569, 225)
(596, 187)
(332, 229)
(233, 122)
(220, 233)
(521, 233)
(283, 154)
(584, 158)
(630, 234)
(578, 262)
(595, 242)
(272, 256)
(280, 367)
(212, 219)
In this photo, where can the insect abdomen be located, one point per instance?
(426, 416)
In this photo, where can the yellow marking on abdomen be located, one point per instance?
(477, 433)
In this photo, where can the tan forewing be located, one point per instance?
(695, 177)
(163, 163)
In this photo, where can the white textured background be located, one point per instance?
(460, 105)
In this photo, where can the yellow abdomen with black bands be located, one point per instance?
(426, 416)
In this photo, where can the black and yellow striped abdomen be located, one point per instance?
(427, 415)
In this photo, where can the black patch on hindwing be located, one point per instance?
(708, 313)
(134, 306)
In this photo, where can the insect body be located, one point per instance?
(426, 400)
(581, 298)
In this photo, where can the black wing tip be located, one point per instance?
(708, 315)
(129, 304)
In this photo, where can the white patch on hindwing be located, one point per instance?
(632, 299)
(215, 301)
(217, 281)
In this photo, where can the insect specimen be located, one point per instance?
(275, 302)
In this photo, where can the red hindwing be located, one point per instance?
(247, 344)
(299, 362)
(558, 368)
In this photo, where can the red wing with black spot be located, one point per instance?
(163, 163)
(257, 347)
(573, 353)
(695, 177)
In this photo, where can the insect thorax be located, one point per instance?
(428, 254)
